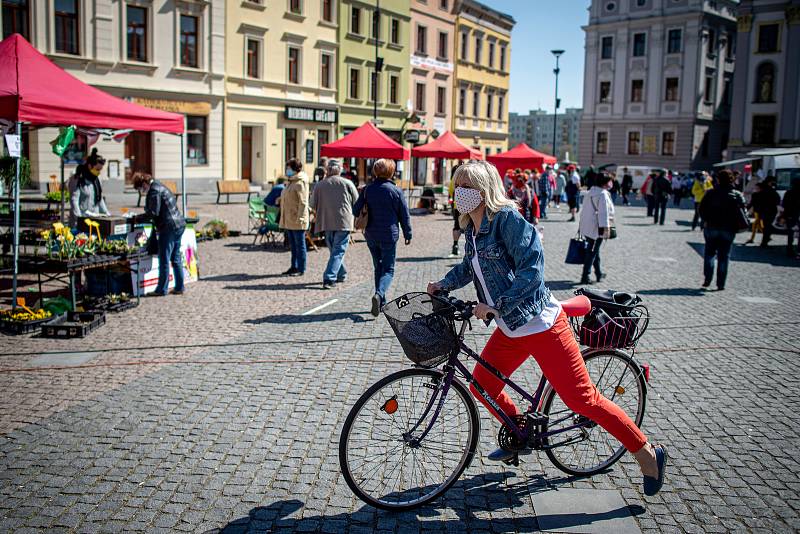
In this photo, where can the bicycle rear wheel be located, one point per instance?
(381, 462)
(589, 449)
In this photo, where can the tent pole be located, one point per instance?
(62, 188)
(183, 180)
(16, 220)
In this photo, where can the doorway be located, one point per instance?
(251, 146)
(247, 154)
(139, 154)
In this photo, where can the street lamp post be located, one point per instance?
(556, 70)
(378, 62)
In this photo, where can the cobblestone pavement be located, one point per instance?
(222, 409)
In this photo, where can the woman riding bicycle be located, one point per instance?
(505, 261)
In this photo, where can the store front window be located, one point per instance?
(16, 18)
(196, 139)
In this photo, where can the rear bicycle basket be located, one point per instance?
(424, 326)
(614, 323)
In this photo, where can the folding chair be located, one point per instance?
(269, 229)
(255, 214)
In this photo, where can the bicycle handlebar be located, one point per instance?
(464, 307)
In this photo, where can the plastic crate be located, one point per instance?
(74, 324)
(16, 328)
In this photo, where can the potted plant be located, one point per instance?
(8, 172)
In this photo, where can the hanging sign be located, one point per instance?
(295, 113)
(12, 142)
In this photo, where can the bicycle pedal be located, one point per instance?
(514, 460)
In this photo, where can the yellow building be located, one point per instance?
(281, 79)
(483, 63)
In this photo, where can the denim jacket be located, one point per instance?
(511, 257)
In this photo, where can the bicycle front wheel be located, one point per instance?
(382, 457)
(588, 448)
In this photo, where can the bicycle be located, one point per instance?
(427, 418)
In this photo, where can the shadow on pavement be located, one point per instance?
(674, 292)
(355, 317)
(561, 285)
(422, 259)
(259, 247)
(239, 277)
(775, 255)
(481, 493)
(285, 287)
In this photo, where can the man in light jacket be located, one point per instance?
(597, 217)
(332, 200)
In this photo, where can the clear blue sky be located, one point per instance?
(544, 25)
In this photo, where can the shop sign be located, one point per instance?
(294, 113)
(411, 136)
(175, 106)
(430, 63)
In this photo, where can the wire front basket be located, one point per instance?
(600, 330)
(424, 326)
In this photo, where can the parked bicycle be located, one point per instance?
(411, 435)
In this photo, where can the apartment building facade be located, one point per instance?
(658, 82)
(281, 85)
(536, 130)
(766, 83)
(483, 61)
(162, 54)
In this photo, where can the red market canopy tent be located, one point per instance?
(366, 141)
(446, 146)
(35, 91)
(521, 156)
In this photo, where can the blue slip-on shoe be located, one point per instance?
(500, 455)
(653, 485)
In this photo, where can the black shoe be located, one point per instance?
(454, 250)
(720, 288)
(585, 280)
(290, 272)
(571, 219)
(600, 277)
(376, 305)
(297, 273)
(328, 285)
(177, 292)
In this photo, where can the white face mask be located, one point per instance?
(467, 200)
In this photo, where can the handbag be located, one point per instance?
(362, 218)
(576, 252)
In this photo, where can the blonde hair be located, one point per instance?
(484, 177)
(383, 168)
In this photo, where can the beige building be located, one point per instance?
(281, 85)
(160, 53)
(431, 82)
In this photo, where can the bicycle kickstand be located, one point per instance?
(514, 460)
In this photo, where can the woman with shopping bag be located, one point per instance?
(597, 219)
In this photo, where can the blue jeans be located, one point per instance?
(383, 256)
(169, 253)
(543, 205)
(660, 209)
(718, 244)
(297, 244)
(337, 242)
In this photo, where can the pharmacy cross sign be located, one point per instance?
(295, 113)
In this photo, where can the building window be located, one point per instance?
(442, 45)
(464, 46)
(606, 47)
(601, 144)
(637, 90)
(294, 65)
(196, 139)
(327, 10)
(671, 94)
(373, 86)
(355, 20)
(711, 42)
(443, 4)
(395, 33)
(763, 130)
(323, 138)
(441, 100)
(67, 26)
(704, 145)
(355, 82)
(768, 37)
(708, 92)
(394, 86)
(290, 149)
(501, 104)
(462, 101)
(296, 7)
(376, 25)
(674, 38)
(422, 40)
(726, 90)
(503, 58)
(730, 50)
(667, 143)
(476, 100)
(136, 18)
(326, 65)
(765, 82)
(639, 44)
(489, 102)
(491, 55)
(16, 18)
(605, 92)
(419, 97)
(189, 41)
(253, 58)
(634, 142)
(478, 45)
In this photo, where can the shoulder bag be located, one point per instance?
(612, 229)
(362, 218)
(576, 252)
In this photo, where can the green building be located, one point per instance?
(358, 93)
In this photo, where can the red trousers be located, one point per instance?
(559, 357)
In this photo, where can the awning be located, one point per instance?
(446, 146)
(521, 156)
(789, 151)
(735, 161)
(366, 141)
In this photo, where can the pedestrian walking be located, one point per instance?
(543, 190)
(505, 261)
(332, 200)
(769, 208)
(597, 218)
(528, 203)
(701, 185)
(558, 191)
(295, 215)
(321, 171)
(573, 191)
(721, 210)
(646, 191)
(756, 205)
(791, 214)
(169, 224)
(662, 188)
(614, 191)
(386, 211)
(627, 185)
(453, 211)
(677, 189)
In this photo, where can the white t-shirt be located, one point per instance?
(541, 323)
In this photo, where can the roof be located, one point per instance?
(36, 91)
(366, 141)
(446, 146)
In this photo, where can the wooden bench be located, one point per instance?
(172, 185)
(233, 187)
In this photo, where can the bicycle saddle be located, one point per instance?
(577, 306)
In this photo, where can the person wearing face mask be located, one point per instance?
(295, 215)
(85, 192)
(597, 217)
(162, 208)
(504, 260)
